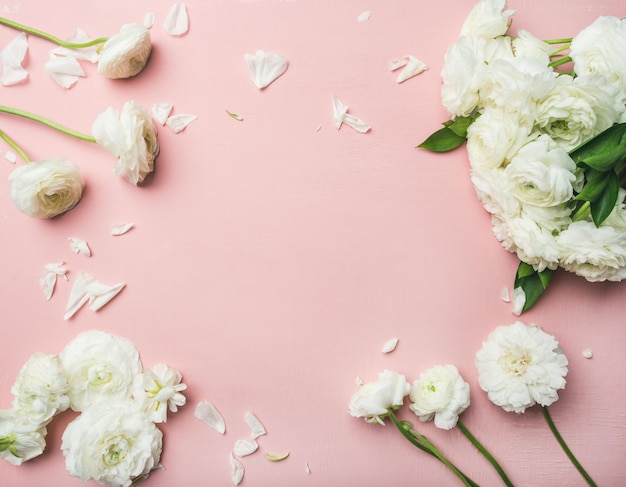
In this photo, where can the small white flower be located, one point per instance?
(126, 53)
(47, 188)
(21, 438)
(520, 366)
(131, 136)
(112, 443)
(158, 390)
(440, 393)
(373, 400)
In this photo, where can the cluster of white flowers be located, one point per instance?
(115, 439)
(527, 117)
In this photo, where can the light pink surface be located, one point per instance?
(272, 258)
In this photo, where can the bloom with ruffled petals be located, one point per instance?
(126, 53)
(373, 400)
(21, 438)
(158, 390)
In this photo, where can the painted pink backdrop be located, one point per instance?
(272, 258)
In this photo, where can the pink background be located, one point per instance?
(270, 260)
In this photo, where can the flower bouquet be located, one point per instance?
(545, 125)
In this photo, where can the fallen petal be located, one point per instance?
(47, 282)
(340, 111)
(177, 21)
(412, 67)
(178, 123)
(57, 269)
(504, 295)
(161, 112)
(208, 414)
(87, 53)
(100, 294)
(78, 294)
(235, 116)
(256, 427)
(588, 353)
(364, 16)
(519, 300)
(390, 346)
(79, 246)
(236, 469)
(307, 469)
(121, 228)
(12, 57)
(265, 67)
(357, 124)
(276, 458)
(65, 70)
(245, 447)
(11, 157)
(148, 20)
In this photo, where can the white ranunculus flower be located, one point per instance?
(597, 254)
(21, 438)
(131, 136)
(100, 367)
(527, 46)
(41, 387)
(47, 188)
(521, 365)
(112, 444)
(373, 400)
(126, 53)
(599, 48)
(440, 393)
(533, 244)
(488, 18)
(577, 109)
(495, 192)
(158, 390)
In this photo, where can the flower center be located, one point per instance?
(516, 361)
(99, 376)
(116, 452)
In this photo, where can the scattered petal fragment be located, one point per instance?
(519, 300)
(208, 414)
(11, 157)
(79, 246)
(161, 112)
(235, 116)
(276, 458)
(341, 116)
(256, 427)
(148, 20)
(48, 280)
(243, 448)
(87, 53)
(65, 70)
(504, 295)
(390, 346)
(121, 228)
(100, 294)
(588, 353)
(12, 57)
(265, 67)
(78, 294)
(178, 123)
(177, 21)
(412, 67)
(364, 16)
(307, 469)
(237, 470)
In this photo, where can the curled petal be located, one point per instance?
(178, 123)
(12, 57)
(265, 67)
(177, 21)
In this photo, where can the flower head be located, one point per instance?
(440, 393)
(47, 188)
(157, 390)
(126, 53)
(112, 443)
(373, 400)
(131, 136)
(21, 438)
(488, 18)
(521, 365)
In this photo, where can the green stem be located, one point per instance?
(424, 444)
(583, 212)
(560, 62)
(14, 146)
(485, 453)
(566, 449)
(51, 38)
(48, 122)
(567, 40)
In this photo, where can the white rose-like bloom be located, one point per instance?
(112, 444)
(100, 367)
(520, 366)
(158, 390)
(41, 387)
(47, 188)
(373, 400)
(440, 393)
(599, 48)
(597, 254)
(21, 439)
(495, 192)
(526, 45)
(126, 53)
(533, 243)
(131, 136)
(488, 18)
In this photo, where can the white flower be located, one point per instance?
(440, 393)
(374, 399)
(157, 390)
(21, 439)
(112, 444)
(100, 368)
(520, 366)
(126, 53)
(488, 18)
(41, 387)
(532, 242)
(527, 46)
(47, 188)
(130, 136)
(597, 254)
(495, 192)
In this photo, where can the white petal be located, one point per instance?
(79, 246)
(364, 16)
(12, 57)
(47, 282)
(357, 124)
(208, 414)
(236, 469)
(178, 123)
(87, 53)
(256, 427)
(57, 269)
(264, 67)
(340, 112)
(588, 353)
(413, 67)
(245, 447)
(307, 469)
(177, 21)
(519, 300)
(78, 294)
(100, 294)
(390, 346)
(161, 112)
(504, 295)
(65, 70)
(120, 228)
(11, 157)
(148, 20)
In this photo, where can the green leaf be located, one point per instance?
(594, 186)
(532, 283)
(443, 140)
(604, 205)
(603, 151)
(524, 270)
(459, 125)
